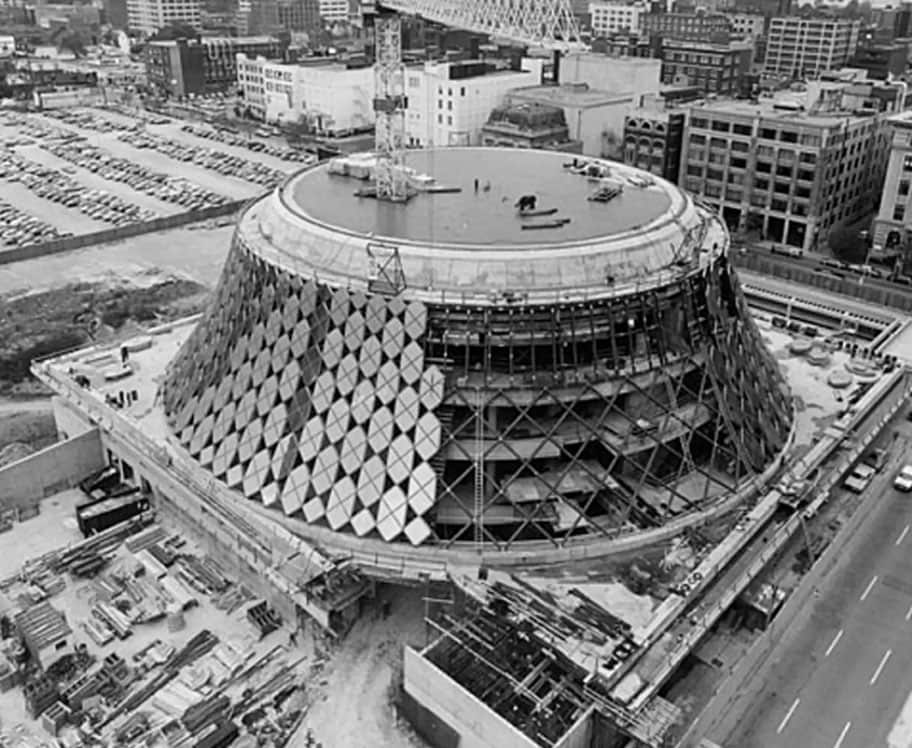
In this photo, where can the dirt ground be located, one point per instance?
(46, 322)
(354, 706)
(25, 427)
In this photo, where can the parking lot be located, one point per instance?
(77, 171)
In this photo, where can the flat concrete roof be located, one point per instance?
(487, 217)
(571, 94)
(766, 108)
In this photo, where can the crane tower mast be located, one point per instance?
(548, 24)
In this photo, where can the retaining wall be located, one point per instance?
(25, 482)
(899, 297)
(723, 711)
(69, 243)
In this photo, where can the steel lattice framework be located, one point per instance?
(380, 415)
(548, 24)
(389, 106)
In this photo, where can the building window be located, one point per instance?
(700, 122)
(903, 187)
(899, 212)
(462, 91)
(439, 119)
(768, 133)
(449, 120)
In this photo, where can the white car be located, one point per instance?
(903, 479)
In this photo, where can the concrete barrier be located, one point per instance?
(69, 243)
(25, 482)
(899, 297)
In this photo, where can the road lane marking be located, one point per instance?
(909, 613)
(787, 717)
(842, 735)
(902, 535)
(868, 588)
(833, 643)
(880, 667)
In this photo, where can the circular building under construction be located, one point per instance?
(458, 374)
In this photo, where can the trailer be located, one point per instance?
(100, 514)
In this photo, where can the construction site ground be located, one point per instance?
(350, 685)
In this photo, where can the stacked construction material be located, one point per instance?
(146, 538)
(54, 717)
(203, 575)
(40, 693)
(113, 618)
(264, 618)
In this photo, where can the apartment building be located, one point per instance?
(148, 16)
(333, 99)
(721, 69)
(180, 67)
(806, 47)
(893, 225)
(653, 139)
(450, 102)
(791, 168)
(608, 17)
(704, 27)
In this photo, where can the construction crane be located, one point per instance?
(546, 24)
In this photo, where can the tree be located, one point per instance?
(172, 32)
(847, 244)
(71, 41)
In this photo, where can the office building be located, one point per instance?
(882, 60)
(148, 16)
(330, 98)
(704, 27)
(334, 11)
(300, 15)
(608, 17)
(180, 67)
(806, 47)
(606, 73)
(792, 168)
(893, 225)
(653, 139)
(722, 69)
(449, 102)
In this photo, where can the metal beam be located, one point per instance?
(548, 24)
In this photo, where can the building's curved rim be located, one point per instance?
(680, 201)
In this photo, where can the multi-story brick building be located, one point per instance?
(609, 16)
(148, 16)
(893, 225)
(704, 27)
(716, 68)
(792, 169)
(747, 25)
(652, 141)
(180, 67)
(805, 47)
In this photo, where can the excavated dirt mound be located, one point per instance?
(47, 322)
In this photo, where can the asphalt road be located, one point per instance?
(841, 680)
